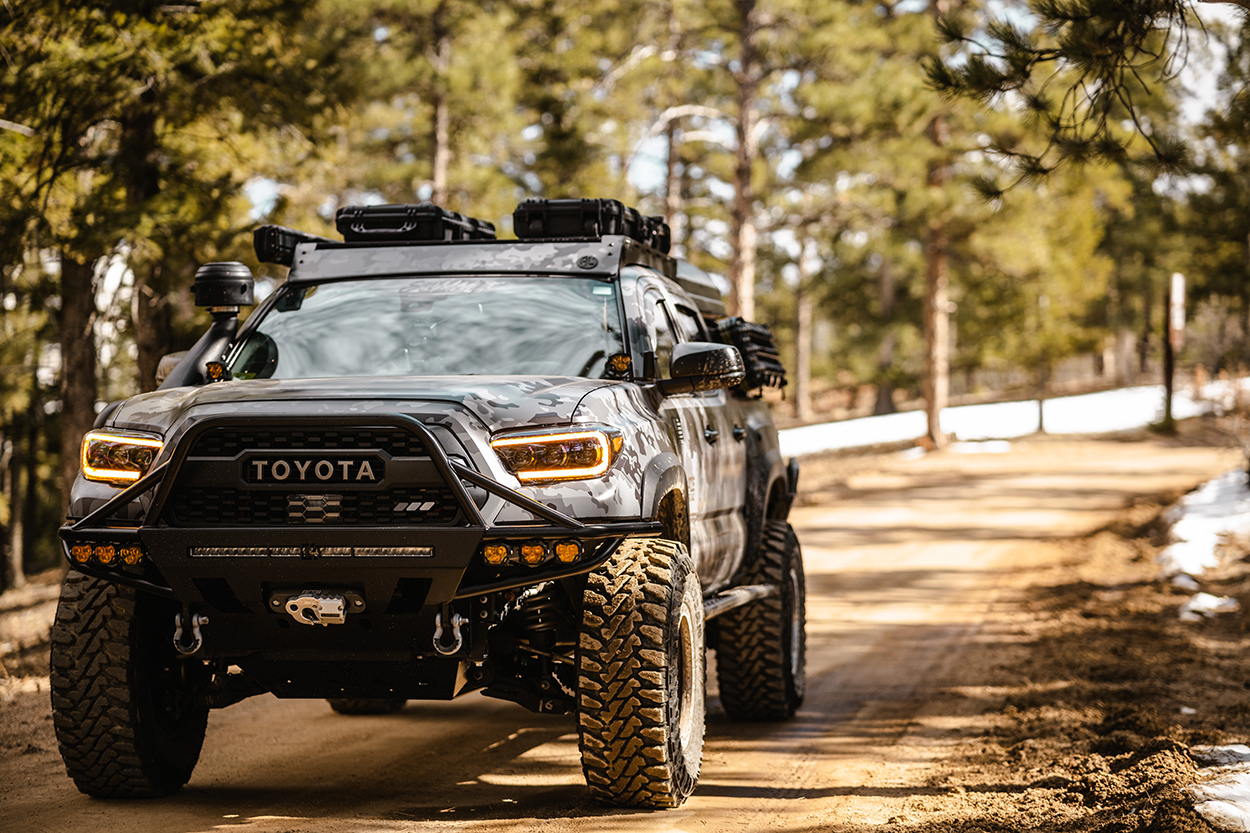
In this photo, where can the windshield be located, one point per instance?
(437, 326)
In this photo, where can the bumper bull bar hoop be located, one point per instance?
(94, 526)
(141, 486)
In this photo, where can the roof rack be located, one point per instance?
(539, 219)
(422, 222)
(276, 244)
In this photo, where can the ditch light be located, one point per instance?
(532, 553)
(107, 555)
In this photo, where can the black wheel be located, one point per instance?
(127, 721)
(367, 705)
(762, 649)
(641, 676)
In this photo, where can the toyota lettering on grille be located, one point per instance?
(365, 471)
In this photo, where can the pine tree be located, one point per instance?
(1076, 68)
(121, 107)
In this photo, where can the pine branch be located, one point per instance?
(1104, 54)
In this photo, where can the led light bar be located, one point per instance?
(386, 552)
(229, 552)
(324, 552)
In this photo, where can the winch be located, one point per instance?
(318, 607)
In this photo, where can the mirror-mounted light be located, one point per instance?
(224, 285)
(217, 372)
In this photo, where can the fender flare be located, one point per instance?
(764, 471)
(663, 474)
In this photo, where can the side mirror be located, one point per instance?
(701, 365)
(166, 366)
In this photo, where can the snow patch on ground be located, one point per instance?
(1186, 582)
(1222, 795)
(1204, 518)
(1202, 521)
(1092, 413)
(1204, 606)
(1214, 514)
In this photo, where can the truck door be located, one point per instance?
(713, 460)
(724, 449)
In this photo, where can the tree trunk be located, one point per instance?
(140, 165)
(30, 495)
(936, 334)
(885, 353)
(1043, 378)
(150, 314)
(442, 115)
(743, 231)
(1243, 322)
(937, 303)
(78, 362)
(1169, 366)
(803, 338)
(683, 234)
(7, 484)
(672, 183)
(17, 535)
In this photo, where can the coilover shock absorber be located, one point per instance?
(538, 620)
(539, 612)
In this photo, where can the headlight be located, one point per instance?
(561, 454)
(118, 457)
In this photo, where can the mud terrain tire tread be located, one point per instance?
(367, 705)
(753, 660)
(635, 751)
(104, 719)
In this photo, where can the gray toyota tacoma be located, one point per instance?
(430, 463)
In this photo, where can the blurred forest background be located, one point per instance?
(798, 148)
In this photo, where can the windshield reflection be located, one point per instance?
(436, 326)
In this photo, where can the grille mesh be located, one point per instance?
(211, 505)
(227, 442)
(195, 504)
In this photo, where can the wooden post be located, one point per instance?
(1169, 359)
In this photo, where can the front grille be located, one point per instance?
(228, 442)
(218, 506)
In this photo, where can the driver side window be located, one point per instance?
(659, 331)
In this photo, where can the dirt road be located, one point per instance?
(913, 567)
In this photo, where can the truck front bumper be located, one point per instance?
(404, 582)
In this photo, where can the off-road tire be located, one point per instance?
(126, 724)
(641, 676)
(762, 646)
(367, 705)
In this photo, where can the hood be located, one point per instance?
(500, 402)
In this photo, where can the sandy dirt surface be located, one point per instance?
(989, 649)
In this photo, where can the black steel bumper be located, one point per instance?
(401, 594)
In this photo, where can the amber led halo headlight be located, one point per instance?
(118, 457)
(559, 454)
